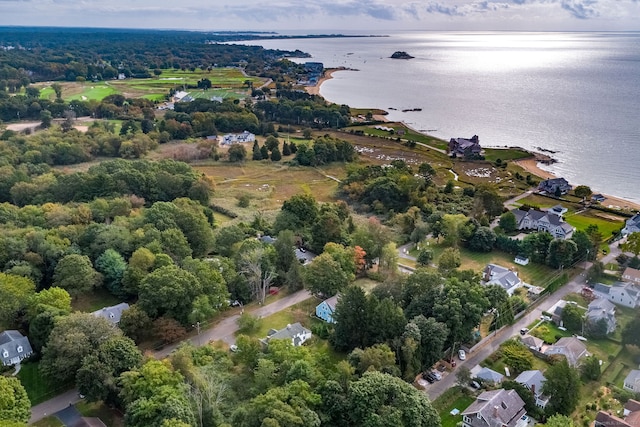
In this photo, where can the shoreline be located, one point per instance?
(530, 164)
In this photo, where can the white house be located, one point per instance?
(632, 225)
(237, 138)
(632, 381)
(627, 294)
(549, 222)
(14, 347)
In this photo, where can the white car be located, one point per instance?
(462, 355)
(233, 348)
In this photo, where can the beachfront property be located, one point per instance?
(632, 225)
(548, 221)
(237, 138)
(555, 185)
(507, 279)
(598, 198)
(462, 147)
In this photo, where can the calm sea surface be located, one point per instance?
(577, 94)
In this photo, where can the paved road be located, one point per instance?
(493, 343)
(223, 330)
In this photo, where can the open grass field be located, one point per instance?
(96, 300)
(493, 154)
(450, 399)
(401, 131)
(37, 387)
(226, 82)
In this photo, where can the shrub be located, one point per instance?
(248, 323)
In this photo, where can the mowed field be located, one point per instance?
(226, 82)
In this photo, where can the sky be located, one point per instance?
(321, 16)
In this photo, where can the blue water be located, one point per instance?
(574, 93)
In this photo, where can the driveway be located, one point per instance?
(69, 416)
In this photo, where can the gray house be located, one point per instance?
(112, 314)
(632, 225)
(497, 275)
(534, 380)
(601, 309)
(626, 294)
(550, 186)
(496, 408)
(543, 221)
(571, 348)
(486, 375)
(14, 347)
(296, 333)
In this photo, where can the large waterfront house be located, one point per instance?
(497, 275)
(555, 185)
(502, 408)
(534, 380)
(113, 313)
(543, 221)
(295, 332)
(632, 225)
(326, 309)
(462, 147)
(14, 347)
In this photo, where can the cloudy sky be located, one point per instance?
(328, 15)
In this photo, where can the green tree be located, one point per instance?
(561, 253)
(630, 335)
(536, 246)
(285, 251)
(227, 239)
(508, 222)
(15, 294)
(378, 357)
(590, 368)
(325, 276)
(572, 318)
(256, 153)
(433, 335)
(424, 258)
(563, 388)
(632, 244)
(381, 399)
(237, 153)
(14, 403)
(449, 260)
(135, 323)
(72, 339)
(75, 274)
(517, 356)
(558, 420)
(112, 266)
(169, 291)
(482, 240)
(256, 267)
(350, 315)
(582, 191)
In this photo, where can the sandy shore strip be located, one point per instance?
(328, 73)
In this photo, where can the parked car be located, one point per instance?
(437, 375)
(524, 331)
(233, 348)
(462, 355)
(428, 377)
(474, 384)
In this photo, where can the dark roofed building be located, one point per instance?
(571, 348)
(604, 419)
(462, 147)
(543, 221)
(113, 313)
(551, 186)
(632, 225)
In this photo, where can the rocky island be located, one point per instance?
(401, 55)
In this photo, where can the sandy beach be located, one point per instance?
(530, 164)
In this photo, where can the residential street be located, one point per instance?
(223, 330)
(436, 389)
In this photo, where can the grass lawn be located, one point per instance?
(366, 284)
(93, 301)
(547, 331)
(38, 388)
(300, 312)
(50, 421)
(450, 399)
(96, 91)
(98, 410)
(47, 93)
(493, 154)
(409, 134)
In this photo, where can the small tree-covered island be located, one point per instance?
(401, 55)
(189, 236)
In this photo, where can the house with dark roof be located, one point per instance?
(14, 347)
(496, 408)
(571, 348)
(605, 419)
(598, 198)
(631, 406)
(533, 381)
(631, 275)
(113, 313)
(327, 308)
(497, 275)
(599, 310)
(462, 147)
(544, 222)
(296, 333)
(632, 225)
(632, 381)
(601, 290)
(556, 311)
(551, 186)
(486, 375)
(626, 294)
(532, 342)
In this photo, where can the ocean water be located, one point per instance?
(577, 94)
